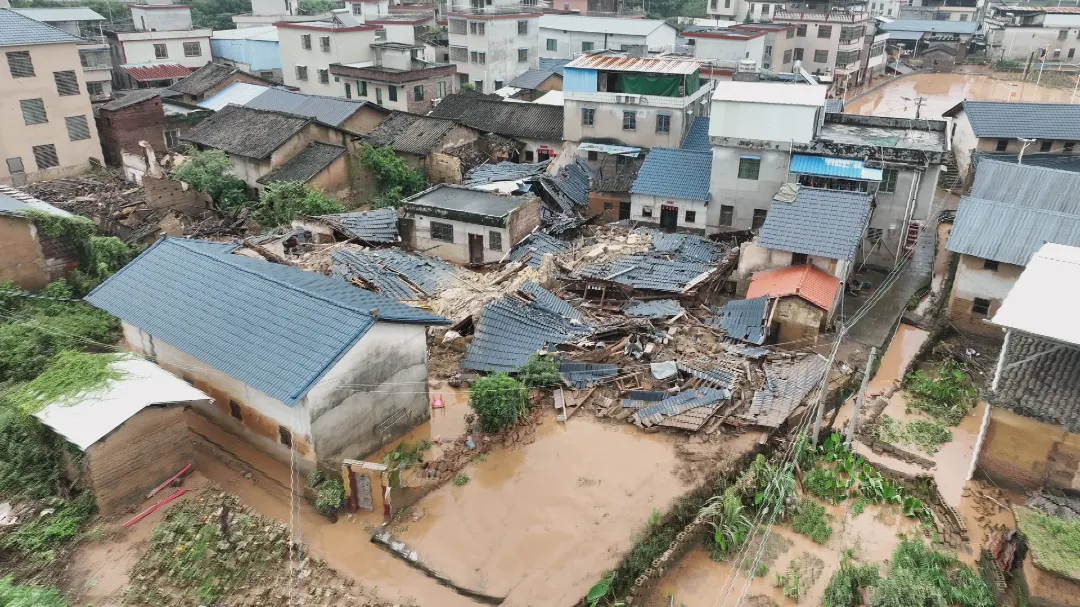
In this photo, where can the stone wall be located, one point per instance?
(442, 168)
(170, 195)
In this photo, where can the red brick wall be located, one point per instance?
(123, 129)
(430, 92)
(524, 220)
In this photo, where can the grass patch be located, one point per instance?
(812, 521)
(1054, 543)
(801, 575)
(946, 392)
(921, 577)
(461, 479)
(18, 595)
(847, 583)
(40, 540)
(927, 435)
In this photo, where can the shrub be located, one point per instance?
(540, 372)
(921, 577)
(39, 539)
(812, 521)
(499, 401)
(947, 393)
(16, 595)
(395, 178)
(844, 589)
(330, 495)
(725, 513)
(210, 171)
(284, 201)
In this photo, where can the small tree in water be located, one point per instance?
(499, 400)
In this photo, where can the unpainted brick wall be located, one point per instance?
(168, 194)
(123, 129)
(524, 220)
(1024, 454)
(1048, 590)
(442, 168)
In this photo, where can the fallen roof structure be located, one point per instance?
(657, 308)
(393, 273)
(787, 383)
(674, 263)
(379, 226)
(745, 320)
(533, 247)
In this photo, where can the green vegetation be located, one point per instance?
(314, 7)
(15, 595)
(789, 582)
(540, 372)
(210, 171)
(812, 521)
(99, 256)
(846, 584)
(405, 455)
(71, 374)
(39, 539)
(1054, 542)
(499, 401)
(395, 178)
(600, 590)
(461, 479)
(217, 14)
(284, 201)
(662, 9)
(945, 393)
(726, 515)
(927, 435)
(330, 495)
(921, 577)
(765, 486)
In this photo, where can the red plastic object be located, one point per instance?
(437, 403)
(145, 513)
(182, 472)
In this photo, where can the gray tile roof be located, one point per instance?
(697, 138)
(569, 187)
(409, 133)
(786, 385)
(637, 399)
(530, 79)
(204, 78)
(329, 110)
(657, 308)
(1023, 120)
(718, 376)
(547, 301)
(396, 274)
(582, 375)
(555, 65)
(678, 403)
(744, 319)
(245, 131)
(276, 328)
(19, 30)
(505, 171)
(377, 227)
(1061, 162)
(129, 98)
(541, 244)
(1046, 388)
(507, 118)
(311, 161)
(676, 263)
(1027, 185)
(675, 173)
(824, 223)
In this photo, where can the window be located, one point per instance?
(690, 217)
(478, 57)
(361, 88)
(941, 16)
(790, 33)
(528, 156)
(588, 116)
(629, 121)
(801, 31)
(523, 27)
(285, 436)
(172, 138)
(378, 95)
(305, 42)
(192, 49)
(418, 92)
(498, 84)
(586, 47)
(440, 89)
(235, 410)
(821, 56)
(727, 213)
(594, 156)
(663, 123)
(33, 111)
(20, 64)
(1063, 34)
(523, 55)
(1045, 146)
(301, 72)
(357, 9)
(66, 83)
(847, 57)
(787, 56)
(478, 85)
(1001, 145)
(348, 91)
(95, 88)
(799, 259)
(1072, 52)
(324, 43)
(798, 54)
(459, 53)
(980, 307)
(324, 76)
(1057, 53)
(712, 5)
(759, 218)
(552, 44)
(442, 231)
(77, 128)
(392, 92)
(45, 156)
(824, 31)
(646, 211)
(1068, 147)
(495, 240)
(888, 181)
(990, 264)
(749, 167)
(608, 206)
(476, 27)
(458, 26)
(963, 16)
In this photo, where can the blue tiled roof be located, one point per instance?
(672, 266)
(547, 301)
(824, 223)
(744, 319)
(583, 375)
(847, 168)
(697, 138)
(276, 328)
(569, 188)
(658, 308)
(687, 399)
(19, 30)
(543, 245)
(504, 171)
(675, 173)
(395, 273)
(378, 226)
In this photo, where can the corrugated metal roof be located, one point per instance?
(53, 15)
(582, 375)
(20, 30)
(635, 64)
(847, 168)
(657, 308)
(1027, 185)
(1043, 300)
(904, 36)
(805, 281)
(825, 223)
(778, 93)
(675, 173)
(834, 106)
(1023, 120)
(697, 138)
(396, 274)
(329, 110)
(237, 93)
(1009, 233)
(786, 385)
(744, 319)
(683, 401)
(149, 72)
(930, 26)
(274, 327)
(379, 226)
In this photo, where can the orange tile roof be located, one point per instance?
(806, 281)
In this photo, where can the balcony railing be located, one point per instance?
(837, 16)
(514, 9)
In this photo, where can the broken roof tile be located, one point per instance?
(657, 308)
(583, 375)
(379, 226)
(787, 384)
(744, 319)
(540, 244)
(394, 273)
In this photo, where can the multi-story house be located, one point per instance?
(942, 10)
(492, 42)
(770, 45)
(829, 38)
(161, 45)
(1017, 32)
(269, 12)
(399, 79)
(634, 101)
(252, 49)
(743, 11)
(44, 103)
(602, 8)
(566, 36)
(93, 50)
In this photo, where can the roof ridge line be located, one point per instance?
(1013, 205)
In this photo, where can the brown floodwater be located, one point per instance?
(942, 91)
(541, 523)
(905, 344)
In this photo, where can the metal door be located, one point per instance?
(669, 218)
(476, 248)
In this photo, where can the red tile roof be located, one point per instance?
(806, 281)
(156, 71)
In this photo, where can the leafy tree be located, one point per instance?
(217, 14)
(499, 401)
(395, 178)
(539, 372)
(314, 7)
(284, 201)
(210, 171)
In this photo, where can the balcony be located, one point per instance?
(513, 9)
(832, 16)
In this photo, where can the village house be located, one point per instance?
(133, 432)
(427, 144)
(252, 49)
(932, 44)
(209, 79)
(265, 13)
(829, 38)
(492, 43)
(398, 79)
(1011, 210)
(228, 325)
(467, 226)
(800, 301)
(534, 83)
(766, 134)
(347, 114)
(94, 55)
(567, 36)
(263, 142)
(769, 45)
(941, 10)
(538, 127)
(672, 190)
(160, 48)
(1019, 32)
(630, 101)
(45, 102)
(998, 126)
(122, 123)
(29, 257)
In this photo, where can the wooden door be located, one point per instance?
(476, 248)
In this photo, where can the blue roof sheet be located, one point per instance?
(847, 168)
(697, 138)
(744, 319)
(675, 173)
(276, 328)
(394, 273)
(540, 244)
(582, 375)
(683, 401)
(658, 308)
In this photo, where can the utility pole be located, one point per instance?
(918, 106)
(1023, 80)
(824, 390)
(859, 400)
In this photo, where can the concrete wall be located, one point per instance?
(500, 43)
(754, 258)
(730, 49)
(345, 47)
(138, 456)
(161, 18)
(568, 44)
(640, 201)
(29, 257)
(831, 44)
(973, 280)
(764, 121)
(374, 394)
(964, 142)
(258, 55)
(608, 124)
(122, 130)
(457, 251)
(138, 47)
(1019, 42)
(1024, 454)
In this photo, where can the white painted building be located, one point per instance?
(163, 37)
(492, 43)
(1016, 32)
(567, 36)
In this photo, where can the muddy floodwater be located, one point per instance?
(942, 91)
